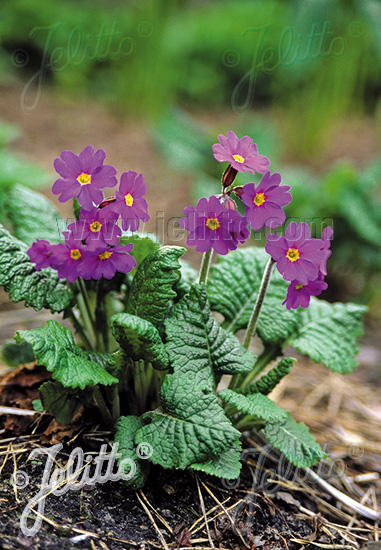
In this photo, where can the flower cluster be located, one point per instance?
(216, 224)
(302, 261)
(90, 249)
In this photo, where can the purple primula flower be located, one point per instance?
(129, 201)
(44, 254)
(97, 225)
(210, 225)
(326, 236)
(67, 257)
(298, 257)
(241, 154)
(299, 295)
(105, 261)
(83, 176)
(40, 253)
(264, 202)
(241, 232)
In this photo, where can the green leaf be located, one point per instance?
(143, 246)
(295, 441)
(62, 403)
(267, 382)
(33, 216)
(14, 355)
(55, 348)
(139, 339)
(256, 404)
(328, 334)
(207, 349)
(20, 279)
(15, 170)
(233, 288)
(37, 405)
(358, 213)
(227, 465)
(192, 426)
(126, 429)
(182, 142)
(189, 276)
(151, 288)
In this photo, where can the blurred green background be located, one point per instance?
(301, 77)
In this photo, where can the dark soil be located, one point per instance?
(110, 516)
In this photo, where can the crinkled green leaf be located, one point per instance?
(268, 381)
(139, 339)
(256, 404)
(143, 246)
(328, 334)
(55, 349)
(294, 441)
(151, 288)
(188, 277)
(126, 429)
(227, 465)
(62, 403)
(196, 343)
(20, 279)
(233, 288)
(33, 216)
(14, 355)
(192, 426)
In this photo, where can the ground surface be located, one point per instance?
(343, 413)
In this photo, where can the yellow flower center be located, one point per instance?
(129, 200)
(298, 286)
(293, 254)
(84, 179)
(75, 254)
(259, 199)
(95, 227)
(105, 255)
(212, 223)
(238, 158)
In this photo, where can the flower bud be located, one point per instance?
(228, 176)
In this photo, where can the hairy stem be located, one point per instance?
(112, 394)
(269, 353)
(258, 304)
(205, 264)
(86, 302)
(80, 330)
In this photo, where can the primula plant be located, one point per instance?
(146, 348)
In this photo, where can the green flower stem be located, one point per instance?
(205, 264)
(248, 422)
(258, 304)
(112, 394)
(269, 354)
(81, 331)
(101, 404)
(139, 382)
(86, 302)
(100, 316)
(236, 380)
